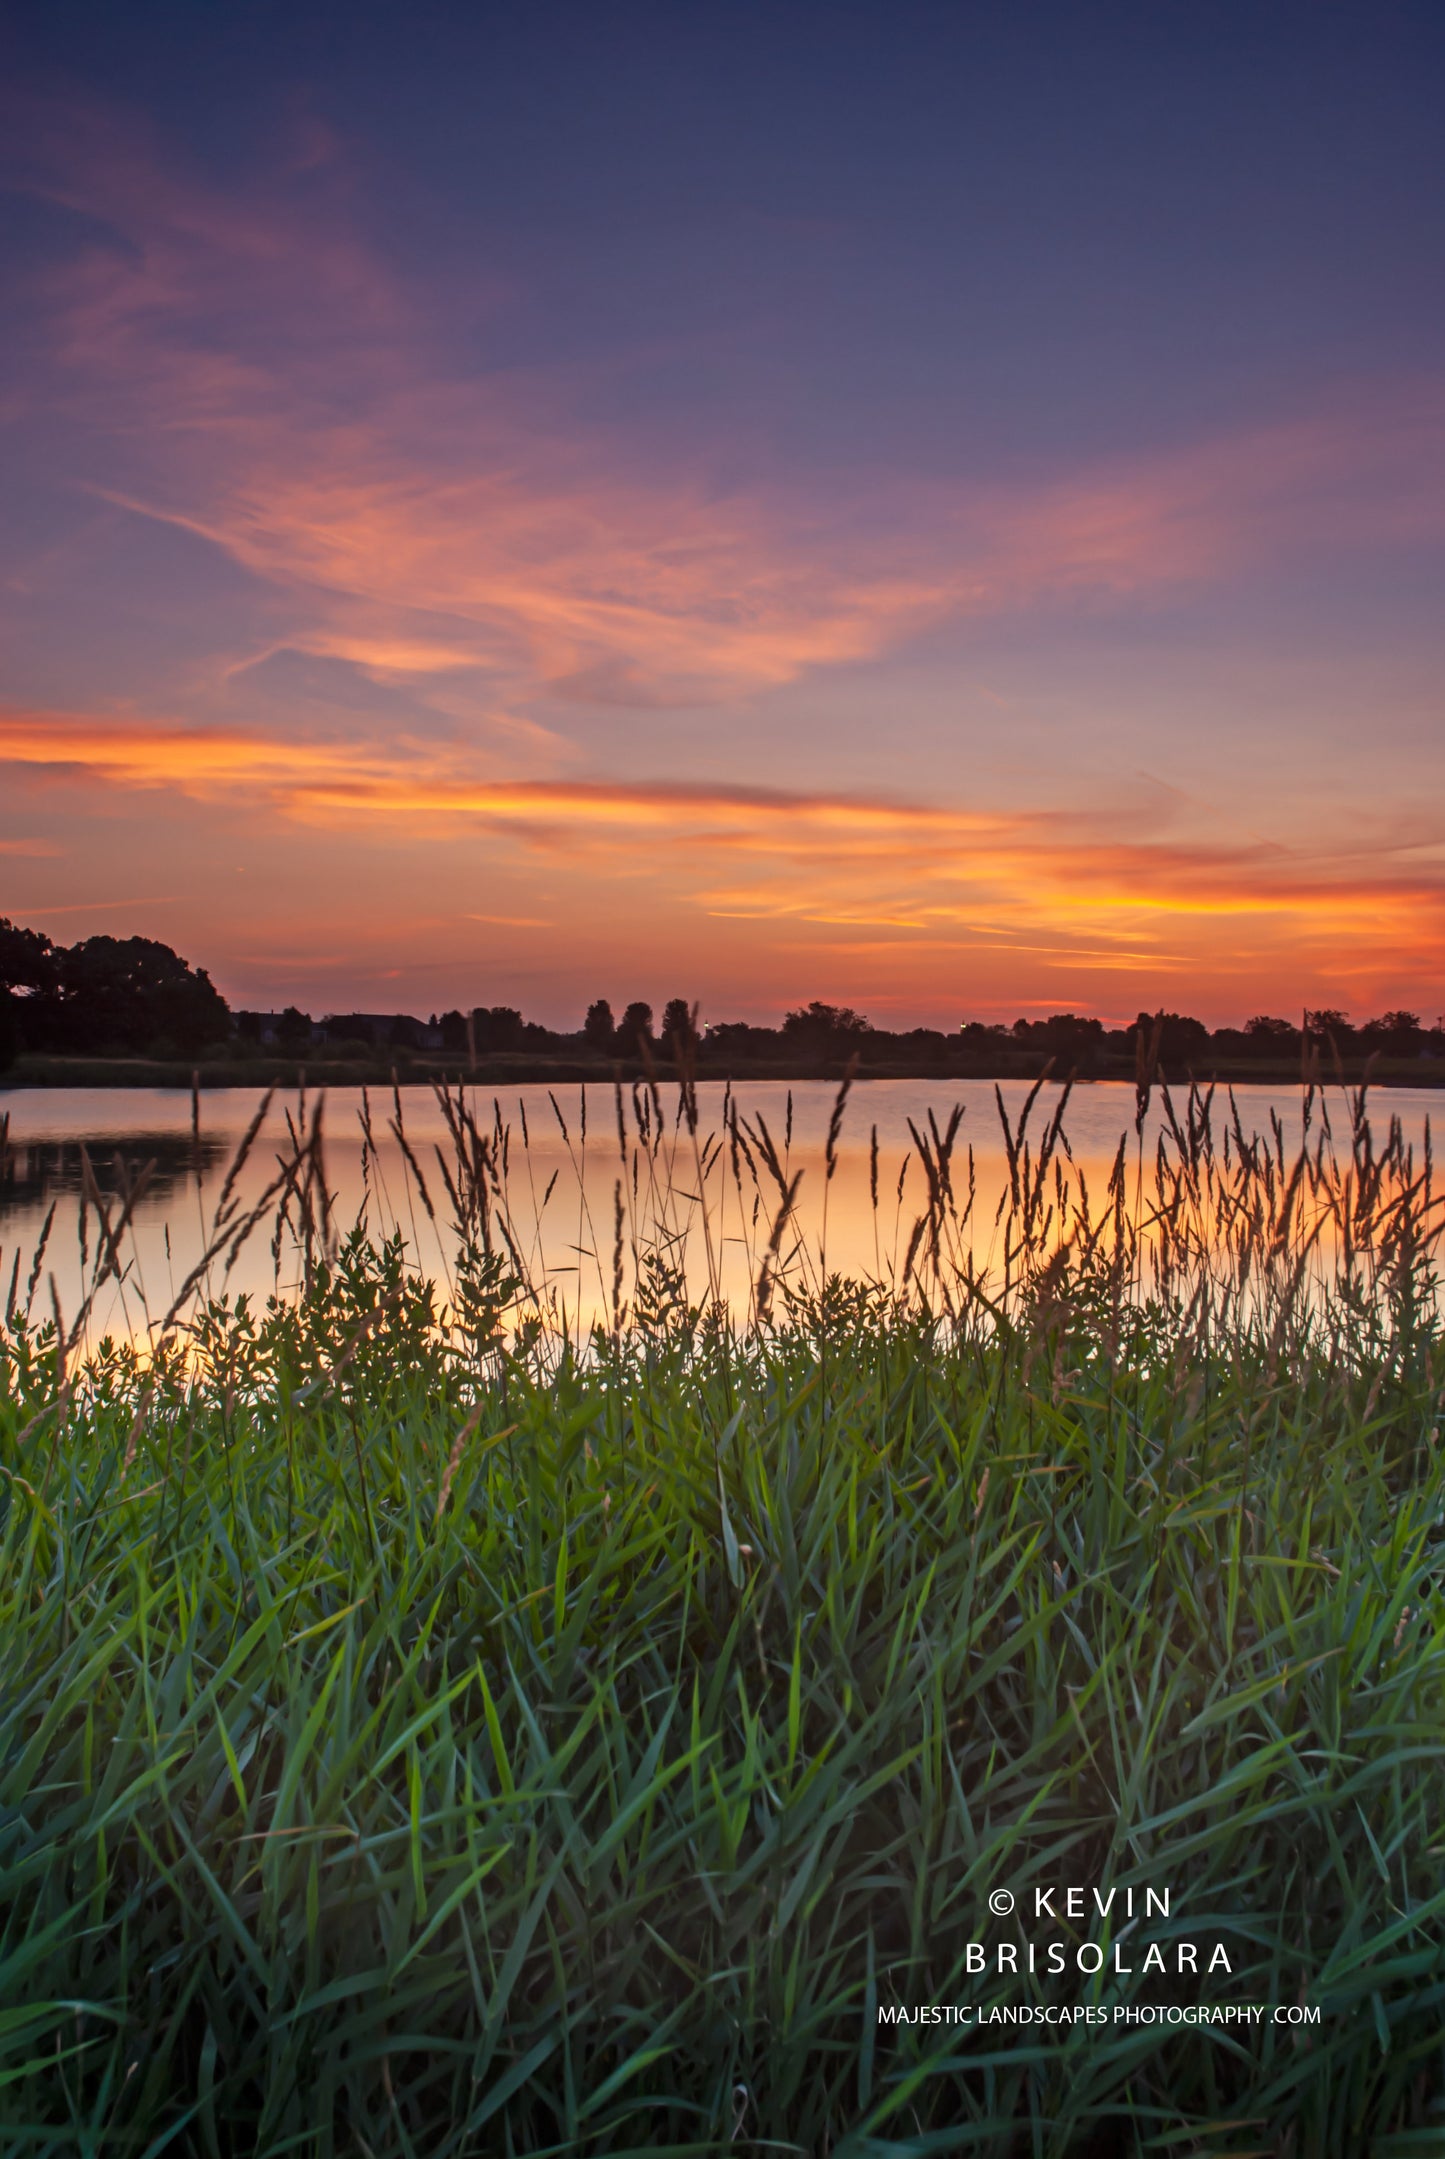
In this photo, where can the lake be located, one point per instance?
(563, 1189)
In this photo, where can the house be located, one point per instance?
(382, 1030)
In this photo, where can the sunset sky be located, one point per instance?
(935, 507)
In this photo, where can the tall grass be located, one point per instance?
(467, 1715)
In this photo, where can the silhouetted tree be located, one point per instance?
(635, 1023)
(817, 1022)
(133, 993)
(29, 962)
(454, 1032)
(293, 1029)
(497, 1027)
(924, 1046)
(1181, 1039)
(735, 1038)
(676, 1018)
(598, 1027)
(29, 980)
(1398, 1033)
(1063, 1035)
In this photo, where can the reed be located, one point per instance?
(434, 1723)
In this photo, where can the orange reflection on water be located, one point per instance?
(576, 1198)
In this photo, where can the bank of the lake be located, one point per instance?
(412, 1068)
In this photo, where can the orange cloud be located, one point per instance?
(404, 779)
(1062, 887)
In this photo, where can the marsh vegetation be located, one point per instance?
(443, 1713)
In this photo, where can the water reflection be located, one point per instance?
(578, 1196)
(36, 1172)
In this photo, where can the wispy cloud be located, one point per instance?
(513, 922)
(361, 779)
(42, 910)
(270, 385)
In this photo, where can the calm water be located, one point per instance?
(569, 1235)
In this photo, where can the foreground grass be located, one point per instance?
(413, 1752)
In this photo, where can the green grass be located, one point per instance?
(424, 1738)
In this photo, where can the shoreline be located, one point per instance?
(413, 1070)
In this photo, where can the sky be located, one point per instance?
(936, 508)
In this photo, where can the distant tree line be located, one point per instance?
(1185, 1041)
(1075, 1042)
(132, 996)
(826, 1031)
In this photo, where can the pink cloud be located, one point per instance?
(273, 387)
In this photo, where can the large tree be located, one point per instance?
(635, 1026)
(135, 994)
(1181, 1038)
(598, 1027)
(1399, 1034)
(29, 981)
(817, 1022)
(28, 960)
(677, 1020)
